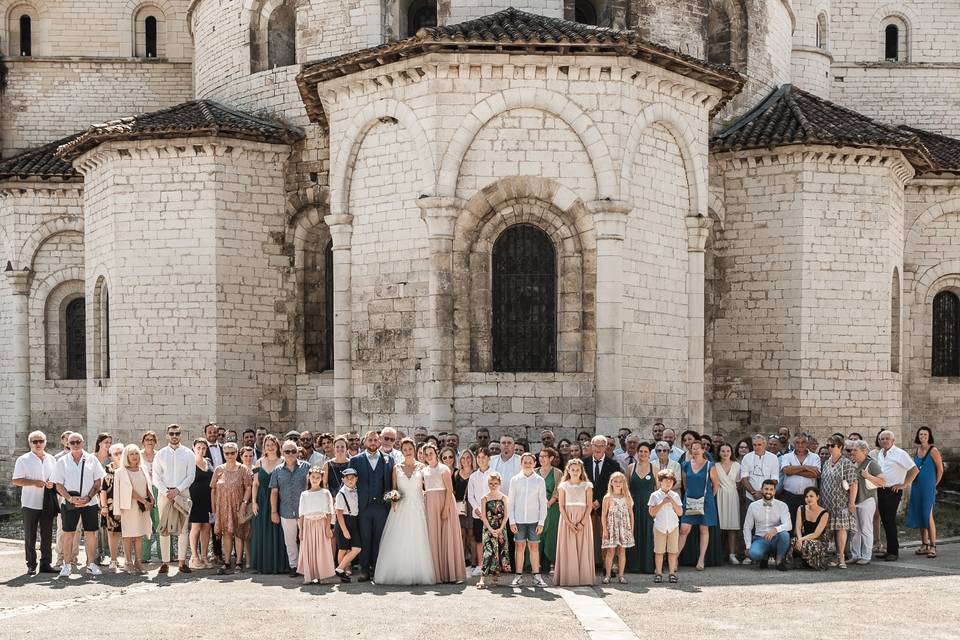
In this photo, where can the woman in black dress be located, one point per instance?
(201, 508)
(333, 470)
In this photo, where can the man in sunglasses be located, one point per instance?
(174, 468)
(287, 482)
(78, 476)
(388, 443)
(32, 473)
(307, 452)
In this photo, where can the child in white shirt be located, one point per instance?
(665, 509)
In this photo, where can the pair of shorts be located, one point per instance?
(527, 533)
(342, 543)
(478, 530)
(669, 542)
(90, 517)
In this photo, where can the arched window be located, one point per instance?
(524, 290)
(101, 329)
(75, 334)
(328, 302)
(282, 37)
(892, 42)
(318, 301)
(150, 27)
(420, 14)
(719, 36)
(822, 31)
(946, 334)
(895, 322)
(585, 13)
(26, 36)
(895, 36)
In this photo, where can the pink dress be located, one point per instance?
(574, 565)
(316, 548)
(445, 541)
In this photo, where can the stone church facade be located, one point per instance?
(728, 215)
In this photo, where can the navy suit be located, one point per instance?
(371, 485)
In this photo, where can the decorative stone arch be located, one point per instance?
(256, 14)
(905, 17)
(41, 234)
(693, 152)
(821, 36)
(555, 210)
(930, 214)
(737, 16)
(54, 292)
(39, 14)
(544, 100)
(942, 277)
(137, 11)
(356, 132)
(311, 244)
(717, 209)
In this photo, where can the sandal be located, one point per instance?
(658, 578)
(606, 580)
(673, 578)
(699, 567)
(481, 585)
(932, 551)
(622, 580)
(922, 550)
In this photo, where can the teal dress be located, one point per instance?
(640, 556)
(268, 554)
(548, 539)
(699, 485)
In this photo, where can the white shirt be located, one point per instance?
(758, 469)
(624, 459)
(507, 470)
(895, 464)
(316, 459)
(477, 487)
(527, 499)
(372, 458)
(30, 467)
(316, 503)
(216, 453)
(395, 454)
(174, 469)
(763, 516)
(67, 472)
(676, 453)
(796, 483)
(666, 519)
(673, 465)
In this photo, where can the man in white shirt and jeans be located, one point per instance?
(756, 467)
(800, 469)
(78, 476)
(527, 505)
(32, 473)
(766, 528)
(899, 471)
(506, 463)
(174, 468)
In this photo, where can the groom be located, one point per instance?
(374, 478)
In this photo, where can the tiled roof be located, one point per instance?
(39, 162)
(944, 150)
(195, 118)
(793, 116)
(512, 30)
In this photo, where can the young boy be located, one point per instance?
(347, 506)
(527, 500)
(665, 509)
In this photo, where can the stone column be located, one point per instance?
(341, 234)
(610, 224)
(698, 230)
(19, 356)
(440, 214)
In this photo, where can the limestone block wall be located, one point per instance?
(50, 98)
(857, 29)
(273, 92)
(207, 292)
(809, 249)
(931, 265)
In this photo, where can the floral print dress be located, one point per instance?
(496, 557)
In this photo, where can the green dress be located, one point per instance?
(496, 556)
(268, 554)
(640, 556)
(548, 539)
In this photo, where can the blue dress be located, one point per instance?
(923, 492)
(697, 487)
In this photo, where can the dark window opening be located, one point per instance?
(282, 37)
(946, 334)
(421, 14)
(328, 304)
(585, 13)
(719, 37)
(318, 304)
(25, 37)
(76, 340)
(892, 45)
(524, 301)
(106, 333)
(151, 37)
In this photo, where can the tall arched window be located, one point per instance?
(892, 42)
(26, 36)
(895, 321)
(75, 334)
(282, 37)
(946, 334)
(895, 39)
(420, 14)
(719, 36)
(524, 290)
(101, 329)
(328, 303)
(318, 301)
(822, 31)
(150, 28)
(585, 13)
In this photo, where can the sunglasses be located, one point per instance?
(446, 457)
(73, 442)
(38, 441)
(174, 434)
(388, 438)
(290, 451)
(229, 453)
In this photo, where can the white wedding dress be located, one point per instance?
(405, 556)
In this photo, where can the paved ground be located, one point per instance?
(881, 601)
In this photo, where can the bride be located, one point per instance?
(405, 556)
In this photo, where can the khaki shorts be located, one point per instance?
(669, 542)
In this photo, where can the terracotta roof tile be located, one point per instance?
(39, 162)
(944, 150)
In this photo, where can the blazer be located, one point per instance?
(608, 467)
(372, 483)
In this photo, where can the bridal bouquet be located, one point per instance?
(392, 496)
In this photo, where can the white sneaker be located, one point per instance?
(862, 561)
(518, 581)
(747, 561)
(539, 581)
(476, 571)
(733, 559)
(94, 570)
(65, 570)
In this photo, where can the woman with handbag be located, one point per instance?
(230, 490)
(132, 505)
(699, 502)
(838, 488)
